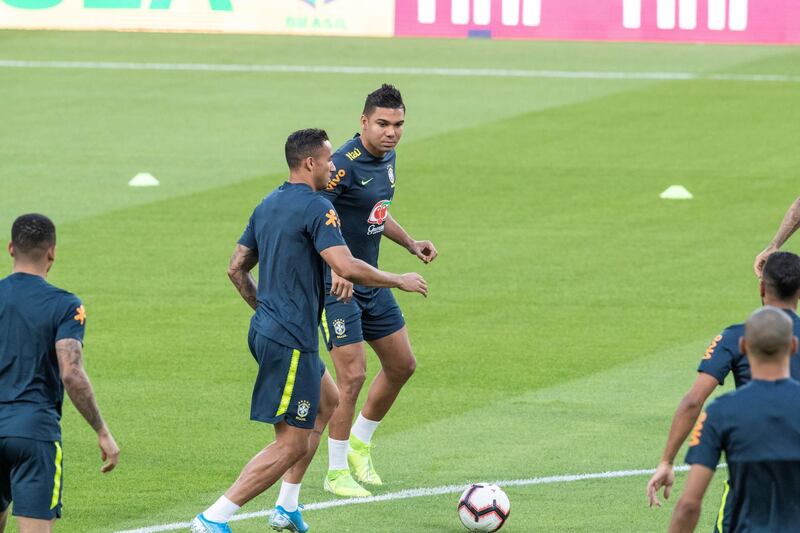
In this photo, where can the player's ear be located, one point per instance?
(794, 345)
(364, 121)
(11, 248)
(743, 346)
(308, 163)
(762, 288)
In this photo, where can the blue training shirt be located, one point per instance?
(362, 190)
(33, 316)
(723, 356)
(758, 428)
(288, 231)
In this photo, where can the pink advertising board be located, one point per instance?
(709, 21)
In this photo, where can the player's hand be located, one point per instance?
(109, 451)
(413, 282)
(663, 477)
(341, 288)
(425, 250)
(761, 259)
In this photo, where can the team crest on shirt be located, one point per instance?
(339, 329)
(303, 407)
(391, 176)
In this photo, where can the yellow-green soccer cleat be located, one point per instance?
(341, 483)
(360, 461)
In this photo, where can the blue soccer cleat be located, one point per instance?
(201, 524)
(280, 519)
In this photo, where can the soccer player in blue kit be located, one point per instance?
(780, 288)
(289, 236)
(41, 355)
(758, 428)
(362, 191)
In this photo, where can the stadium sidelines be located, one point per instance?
(432, 491)
(415, 71)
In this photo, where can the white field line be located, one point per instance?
(414, 71)
(417, 493)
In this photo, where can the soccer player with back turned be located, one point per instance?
(362, 191)
(41, 345)
(758, 428)
(780, 288)
(289, 235)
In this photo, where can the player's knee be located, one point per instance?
(350, 383)
(402, 372)
(295, 450)
(328, 404)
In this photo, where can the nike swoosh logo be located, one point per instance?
(365, 182)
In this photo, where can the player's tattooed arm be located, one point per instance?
(424, 250)
(73, 375)
(789, 224)
(79, 388)
(242, 262)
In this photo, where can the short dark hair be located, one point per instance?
(302, 144)
(387, 96)
(782, 274)
(33, 234)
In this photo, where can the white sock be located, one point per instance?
(337, 454)
(289, 496)
(222, 510)
(364, 428)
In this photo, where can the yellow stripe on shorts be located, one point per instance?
(325, 326)
(57, 480)
(721, 515)
(289, 387)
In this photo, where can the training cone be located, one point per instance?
(144, 179)
(677, 192)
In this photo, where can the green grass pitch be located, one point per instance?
(568, 308)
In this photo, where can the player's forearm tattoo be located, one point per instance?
(790, 224)
(242, 262)
(79, 388)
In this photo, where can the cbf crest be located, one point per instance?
(303, 407)
(338, 328)
(390, 171)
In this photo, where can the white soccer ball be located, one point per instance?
(483, 507)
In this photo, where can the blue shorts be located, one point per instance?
(287, 388)
(30, 476)
(365, 318)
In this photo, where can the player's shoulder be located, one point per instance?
(350, 150)
(730, 336)
(317, 203)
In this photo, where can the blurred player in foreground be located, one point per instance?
(41, 354)
(362, 191)
(780, 288)
(758, 428)
(289, 235)
(790, 223)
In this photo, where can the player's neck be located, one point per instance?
(294, 178)
(21, 267)
(780, 304)
(769, 370)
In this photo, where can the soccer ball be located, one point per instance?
(483, 507)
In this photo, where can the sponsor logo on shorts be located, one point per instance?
(303, 407)
(339, 329)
